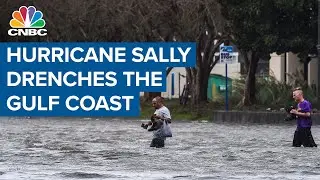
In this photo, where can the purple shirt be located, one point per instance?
(304, 106)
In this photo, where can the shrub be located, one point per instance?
(271, 93)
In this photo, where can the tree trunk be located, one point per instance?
(199, 75)
(305, 68)
(195, 91)
(250, 84)
(200, 87)
(204, 77)
(245, 60)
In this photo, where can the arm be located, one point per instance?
(303, 114)
(149, 123)
(163, 118)
(303, 111)
(166, 116)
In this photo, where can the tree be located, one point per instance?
(181, 20)
(260, 28)
(144, 20)
(147, 20)
(201, 22)
(72, 20)
(298, 29)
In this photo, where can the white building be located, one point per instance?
(282, 67)
(177, 77)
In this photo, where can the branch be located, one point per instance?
(208, 49)
(189, 76)
(212, 52)
(169, 70)
(214, 63)
(209, 15)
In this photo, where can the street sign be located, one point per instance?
(225, 54)
(226, 58)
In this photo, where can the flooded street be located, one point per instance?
(119, 149)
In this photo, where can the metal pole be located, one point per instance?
(172, 84)
(227, 87)
(179, 83)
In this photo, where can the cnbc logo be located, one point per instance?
(27, 22)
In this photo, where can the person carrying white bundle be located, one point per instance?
(160, 121)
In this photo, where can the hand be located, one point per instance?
(293, 111)
(145, 126)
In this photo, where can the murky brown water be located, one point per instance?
(118, 149)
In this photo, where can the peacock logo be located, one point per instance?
(27, 18)
(27, 21)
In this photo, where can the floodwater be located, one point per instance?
(119, 149)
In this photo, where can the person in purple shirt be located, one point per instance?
(302, 135)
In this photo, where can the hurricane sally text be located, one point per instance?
(99, 54)
(91, 79)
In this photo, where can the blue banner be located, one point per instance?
(85, 79)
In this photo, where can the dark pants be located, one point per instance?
(157, 142)
(303, 136)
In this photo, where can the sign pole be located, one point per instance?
(226, 86)
(225, 57)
